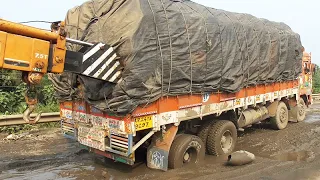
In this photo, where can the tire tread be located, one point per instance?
(204, 130)
(177, 146)
(213, 134)
(274, 120)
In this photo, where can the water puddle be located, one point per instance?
(312, 118)
(295, 156)
(47, 172)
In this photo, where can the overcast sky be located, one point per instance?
(299, 15)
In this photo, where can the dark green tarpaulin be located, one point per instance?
(171, 47)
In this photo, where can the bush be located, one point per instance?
(316, 80)
(12, 101)
(12, 91)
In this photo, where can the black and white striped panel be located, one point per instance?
(100, 62)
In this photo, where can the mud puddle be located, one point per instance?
(312, 118)
(42, 173)
(95, 167)
(307, 156)
(56, 167)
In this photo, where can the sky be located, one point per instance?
(299, 15)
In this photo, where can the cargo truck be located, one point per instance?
(180, 130)
(192, 77)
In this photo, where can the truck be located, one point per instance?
(174, 130)
(177, 131)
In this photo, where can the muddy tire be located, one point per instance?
(280, 120)
(186, 150)
(204, 130)
(222, 138)
(301, 110)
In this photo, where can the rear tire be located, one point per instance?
(186, 150)
(280, 120)
(204, 130)
(222, 138)
(301, 110)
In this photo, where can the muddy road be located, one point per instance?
(293, 153)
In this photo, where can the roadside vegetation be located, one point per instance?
(12, 101)
(12, 91)
(316, 80)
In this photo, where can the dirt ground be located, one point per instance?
(293, 153)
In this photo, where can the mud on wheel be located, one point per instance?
(222, 138)
(301, 110)
(186, 150)
(204, 130)
(280, 120)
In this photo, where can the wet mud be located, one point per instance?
(292, 153)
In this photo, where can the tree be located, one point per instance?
(316, 80)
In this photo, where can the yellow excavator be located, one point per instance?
(36, 52)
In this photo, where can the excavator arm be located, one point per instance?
(36, 52)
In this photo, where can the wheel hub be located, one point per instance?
(186, 157)
(223, 139)
(301, 112)
(226, 141)
(282, 114)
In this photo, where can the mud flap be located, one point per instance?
(158, 151)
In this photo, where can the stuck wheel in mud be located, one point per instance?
(280, 120)
(222, 138)
(301, 110)
(186, 150)
(204, 130)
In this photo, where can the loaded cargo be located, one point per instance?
(178, 79)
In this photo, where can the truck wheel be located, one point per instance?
(280, 121)
(186, 149)
(222, 138)
(301, 110)
(204, 130)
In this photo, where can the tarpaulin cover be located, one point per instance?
(177, 47)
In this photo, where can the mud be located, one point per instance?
(295, 156)
(293, 153)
